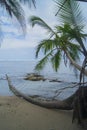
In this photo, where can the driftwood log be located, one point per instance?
(77, 102)
(64, 105)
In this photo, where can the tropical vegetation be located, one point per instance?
(65, 40)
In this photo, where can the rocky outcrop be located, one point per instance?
(34, 77)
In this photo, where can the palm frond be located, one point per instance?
(73, 50)
(14, 8)
(61, 7)
(46, 45)
(39, 47)
(18, 13)
(63, 28)
(34, 20)
(43, 62)
(70, 13)
(55, 60)
(72, 33)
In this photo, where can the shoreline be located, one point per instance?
(18, 114)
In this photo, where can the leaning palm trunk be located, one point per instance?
(80, 100)
(78, 67)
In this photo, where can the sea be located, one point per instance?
(18, 69)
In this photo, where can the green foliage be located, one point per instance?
(55, 60)
(73, 51)
(54, 47)
(43, 62)
(34, 20)
(45, 45)
(64, 39)
(70, 13)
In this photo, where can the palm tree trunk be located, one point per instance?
(75, 64)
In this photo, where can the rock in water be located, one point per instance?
(34, 77)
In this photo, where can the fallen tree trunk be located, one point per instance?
(63, 105)
(77, 102)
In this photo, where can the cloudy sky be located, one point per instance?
(16, 46)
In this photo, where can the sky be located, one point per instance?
(16, 46)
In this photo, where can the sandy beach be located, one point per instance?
(18, 114)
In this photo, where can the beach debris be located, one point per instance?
(34, 77)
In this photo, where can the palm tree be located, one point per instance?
(72, 14)
(57, 45)
(65, 40)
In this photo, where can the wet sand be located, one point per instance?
(18, 114)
